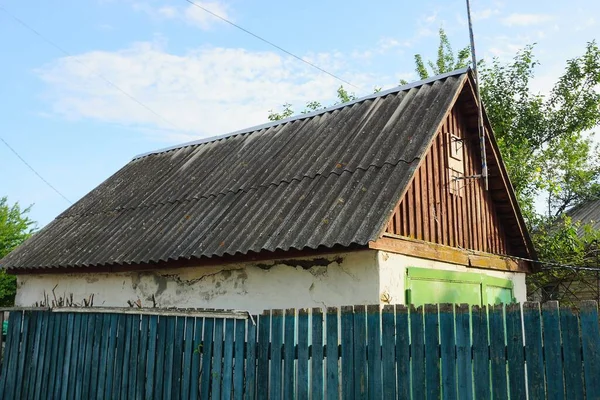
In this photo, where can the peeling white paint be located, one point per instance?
(361, 277)
(335, 280)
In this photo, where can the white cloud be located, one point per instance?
(196, 16)
(526, 19)
(190, 13)
(167, 11)
(204, 92)
(480, 15)
(586, 23)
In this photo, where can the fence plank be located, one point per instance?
(447, 351)
(571, 338)
(533, 350)
(1, 342)
(119, 354)
(464, 367)
(332, 370)
(49, 358)
(150, 371)
(197, 354)
(89, 349)
(169, 351)
(388, 356)
(347, 321)
(23, 381)
(262, 378)
(25, 354)
(227, 381)
(552, 351)
(114, 327)
(590, 340)
(45, 353)
(250, 386)
(178, 357)
(186, 360)
(142, 358)
(207, 357)
(289, 353)
(302, 379)
(130, 368)
(94, 370)
(12, 354)
(217, 359)
(31, 381)
(402, 352)
(432, 357)
(238, 367)
(497, 352)
(126, 354)
(159, 366)
(514, 347)
(52, 366)
(317, 354)
(417, 352)
(374, 352)
(481, 369)
(276, 346)
(360, 353)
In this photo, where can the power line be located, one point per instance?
(272, 44)
(110, 83)
(35, 172)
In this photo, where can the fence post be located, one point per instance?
(289, 353)
(432, 355)
(417, 352)
(347, 320)
(302, 380)
(332, 370)
(590, 340)
(533, 350)
(388, 355)
(497, 354)
(448, 350)
(552, 350)
(360, 356)
(463, 352)
(481, 369)
(514, 345)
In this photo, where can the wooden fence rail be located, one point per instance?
(435, 351)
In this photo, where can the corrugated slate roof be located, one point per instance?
(319, 180)
(586, 213)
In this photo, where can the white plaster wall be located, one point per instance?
(332, 280)
(392, 273)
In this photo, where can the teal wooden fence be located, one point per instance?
(445, 351)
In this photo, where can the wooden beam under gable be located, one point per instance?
(447, 254)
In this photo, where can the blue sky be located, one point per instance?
(202, 77)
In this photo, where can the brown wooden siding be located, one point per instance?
(431, 211)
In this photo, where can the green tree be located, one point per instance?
(545, 141)
(343, 96)
(446, 60)
(15, 227)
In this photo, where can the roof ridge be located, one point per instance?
(271, 124)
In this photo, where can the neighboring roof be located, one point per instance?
(330, 178)
(587, 213)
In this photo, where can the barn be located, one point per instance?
(379, 200)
